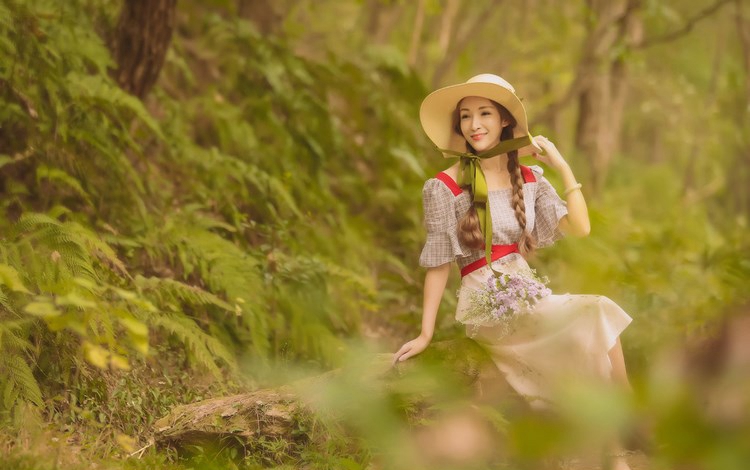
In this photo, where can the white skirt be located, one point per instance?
(563, 339)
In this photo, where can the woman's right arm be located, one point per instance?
(434, 286)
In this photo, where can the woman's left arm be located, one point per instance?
(577, 222)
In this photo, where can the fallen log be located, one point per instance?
(281, 413)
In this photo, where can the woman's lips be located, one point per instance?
(476, 137)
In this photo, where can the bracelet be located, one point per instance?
(571, 189)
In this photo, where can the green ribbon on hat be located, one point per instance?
(472, 175)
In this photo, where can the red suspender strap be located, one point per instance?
(528, 175)
(452, 185)
(498, 251)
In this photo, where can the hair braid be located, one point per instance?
(526, 244)
(469, 230)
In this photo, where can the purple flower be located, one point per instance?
(504, 297)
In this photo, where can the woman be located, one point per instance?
(487, 213)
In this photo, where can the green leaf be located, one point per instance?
(9, 277)
(75, 300)
(42, 309)
(5, 159)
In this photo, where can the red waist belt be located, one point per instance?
(498, 251)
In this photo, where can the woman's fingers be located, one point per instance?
(404, 349)
(412, 348)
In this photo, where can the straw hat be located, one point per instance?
(437, 109)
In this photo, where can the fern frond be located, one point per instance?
(58, 175)
(23, 379)
(101, 89)
(10, 340)
(205, 348)
(224, 267)
(76, 244)
(179, 291)
(5, 302)
(32, 220)
(98, 248)
(271, 187)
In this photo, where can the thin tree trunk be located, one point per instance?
(416, 35)
(739, 174)
(140, 43)
(446, 25)
(464, 34)
(381, 19)
(689, 183)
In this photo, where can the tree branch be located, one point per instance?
(593, 49)
(685, 29)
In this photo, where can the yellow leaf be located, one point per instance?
(85, 283)
(141, 345)
(124, 294)
(96, 355)
(127, 443)
(134, 326)
(41, 309)
(120, 362)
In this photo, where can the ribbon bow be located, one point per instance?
(472, 175)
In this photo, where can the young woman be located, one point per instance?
(487, 213)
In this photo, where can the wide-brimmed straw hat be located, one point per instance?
(438, 107)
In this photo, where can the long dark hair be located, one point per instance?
(469, 230)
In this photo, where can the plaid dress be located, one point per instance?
(443, 210)
(565, 338)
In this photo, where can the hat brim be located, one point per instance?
(437, 109)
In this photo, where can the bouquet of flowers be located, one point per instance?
(504, 298)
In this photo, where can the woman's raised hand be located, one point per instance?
(412, 348)
(552, 157)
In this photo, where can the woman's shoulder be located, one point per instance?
(444, 182)
(535, 172)
(452, 171)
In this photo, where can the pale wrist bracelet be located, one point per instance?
(571, 189)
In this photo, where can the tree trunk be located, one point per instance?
(140, 43)
(602, 84)
(262, 13)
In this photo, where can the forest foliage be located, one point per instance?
(261, 207)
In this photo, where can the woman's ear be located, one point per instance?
(504, 122)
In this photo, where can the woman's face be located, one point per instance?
(481, 123)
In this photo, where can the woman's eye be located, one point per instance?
(465, 116)
(486, 113)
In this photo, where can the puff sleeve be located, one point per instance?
(549, 209)
(442, 244)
